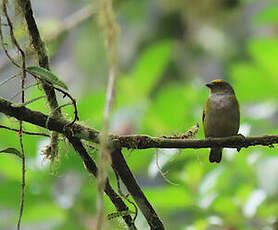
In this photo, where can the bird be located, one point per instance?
(221, 114)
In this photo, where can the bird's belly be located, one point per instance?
(221, 122)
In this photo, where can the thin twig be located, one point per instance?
(67, 25)
(65, 94)
(25, 132)
(163, 174)
(27, 87)
(23, 178)
(126, 196)
(28, 102)
(23, 65)
(5, 49)
(10, 78)
(71, 22)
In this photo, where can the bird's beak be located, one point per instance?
(209, 85)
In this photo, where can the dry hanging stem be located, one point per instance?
(110, 27)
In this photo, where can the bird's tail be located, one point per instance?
(215, 155)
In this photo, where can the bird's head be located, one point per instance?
(220, 86)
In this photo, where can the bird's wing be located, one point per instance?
(203, 118)
(204, 112)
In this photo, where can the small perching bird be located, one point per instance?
(221, 114)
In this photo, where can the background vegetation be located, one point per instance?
(168, 50)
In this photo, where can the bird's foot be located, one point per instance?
(242, 136)
(243, 139)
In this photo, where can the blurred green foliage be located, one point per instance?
(153, 98)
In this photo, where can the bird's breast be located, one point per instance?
(222, 116)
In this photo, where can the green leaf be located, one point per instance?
(10, 169)
(170, 197)
(265, 53)
(151, 65)
(47, 75)
(268, 15)
(11, 150)
(159, 118)
(44, 211)
(245, 74)
(148, 70)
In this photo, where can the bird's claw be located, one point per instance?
(242, 140)
(241, 136)
(209, 138)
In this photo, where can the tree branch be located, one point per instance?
(129, 141)
(120, 166)
(92, 168)
(39, 47)
(145, 142)
(48, 122)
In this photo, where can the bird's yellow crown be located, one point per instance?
(217, 81)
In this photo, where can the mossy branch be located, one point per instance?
(129, 141)
(91, 167)
(43, 59)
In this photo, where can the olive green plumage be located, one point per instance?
(221, 114)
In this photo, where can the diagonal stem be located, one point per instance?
(92, 168)
(120, 166)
